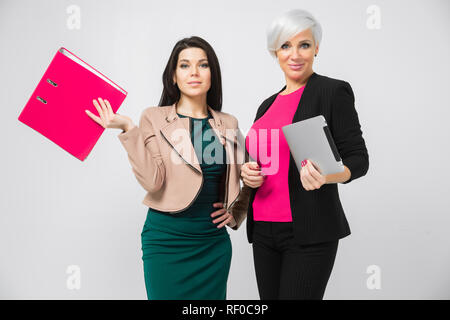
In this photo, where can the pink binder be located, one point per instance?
(56, 109)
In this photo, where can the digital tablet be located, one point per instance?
(311, 139)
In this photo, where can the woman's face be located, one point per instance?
(296, 56)
(192, 74)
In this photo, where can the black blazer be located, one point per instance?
(318, 215)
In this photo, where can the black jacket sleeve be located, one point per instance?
(346, 131)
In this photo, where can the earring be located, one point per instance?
(315, 55)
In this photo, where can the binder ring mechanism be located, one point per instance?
(53, 84)
(41, 100)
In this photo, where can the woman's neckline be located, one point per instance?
(193, 117)
(288, 94)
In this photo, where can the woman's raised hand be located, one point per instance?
(109, 119)
(251, 174)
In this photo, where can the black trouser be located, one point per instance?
(285, 270)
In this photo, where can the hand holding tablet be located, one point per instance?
(311, 139)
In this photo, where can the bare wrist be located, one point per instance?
(128, 127)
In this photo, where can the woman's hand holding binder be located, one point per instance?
(109, 119)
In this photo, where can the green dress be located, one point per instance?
(185, 255)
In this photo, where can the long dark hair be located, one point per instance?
(171, 92)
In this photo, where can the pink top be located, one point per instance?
(266, 143)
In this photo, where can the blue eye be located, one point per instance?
(204, 65)
(284, 46)
(183, 65)
(305, 44)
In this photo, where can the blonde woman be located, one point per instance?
(295, 218)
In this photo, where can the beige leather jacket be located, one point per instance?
(165, 164)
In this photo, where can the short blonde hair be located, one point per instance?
(288, 25)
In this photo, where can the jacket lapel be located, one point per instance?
(266, 104)
(177, 134)
(217, 125)
(306, 106)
